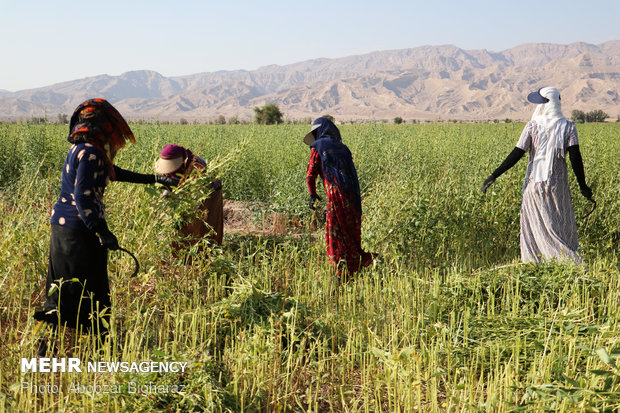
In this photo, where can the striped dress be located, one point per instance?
(548, 226)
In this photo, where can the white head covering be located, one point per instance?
(551, 134)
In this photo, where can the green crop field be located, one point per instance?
(447, 319)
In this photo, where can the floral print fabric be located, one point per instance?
(97, 122)
(343, 222)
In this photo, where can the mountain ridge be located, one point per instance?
(426, 82)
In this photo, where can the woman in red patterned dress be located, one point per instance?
(332, 161)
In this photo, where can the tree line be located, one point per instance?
(270, 114)
(579, 116)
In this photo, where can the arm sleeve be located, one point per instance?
(573, 139)
(123, 175)
(85, 190)
(525, 140)
(577, 164)
(509, 162)
(314, 170)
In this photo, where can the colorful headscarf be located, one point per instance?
(175, 152)
(97, 122)
(336, 160)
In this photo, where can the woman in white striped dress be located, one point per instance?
(548, 226)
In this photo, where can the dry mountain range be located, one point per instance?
(427, 82)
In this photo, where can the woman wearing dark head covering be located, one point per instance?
(77, 288)
(332, 161)
(180, 162)
(548, 226)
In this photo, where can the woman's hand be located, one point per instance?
(487, 183)
(313, 199)
(586, 191)
(216, 185)
(106, 238)
(167, 181)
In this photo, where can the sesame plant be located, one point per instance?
(447, 318)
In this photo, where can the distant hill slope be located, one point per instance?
(426, 82)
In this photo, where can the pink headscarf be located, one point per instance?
(177, 151)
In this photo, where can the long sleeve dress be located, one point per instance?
(548, 226)
(343, 221)
(77, 260)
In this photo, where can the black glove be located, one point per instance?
(106, 238)
(167, 181)
(313, 199)
(487, 183)
(586, 191)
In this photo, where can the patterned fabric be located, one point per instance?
(530, 142)
(97, 132)
(344, 221)
(548, 226)
(84, 178)
(336, 160)
(97, 122)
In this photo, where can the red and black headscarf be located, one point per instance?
(97, 122)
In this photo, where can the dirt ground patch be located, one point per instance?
(256, 218)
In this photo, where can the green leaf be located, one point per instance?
(159, 353)
(379, 353)
(406, 353)
(609, 383)
(570, 381)
(53, 289)
(15, 387)
(601, 372)
(604, 356)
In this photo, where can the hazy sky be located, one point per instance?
(45, 42)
